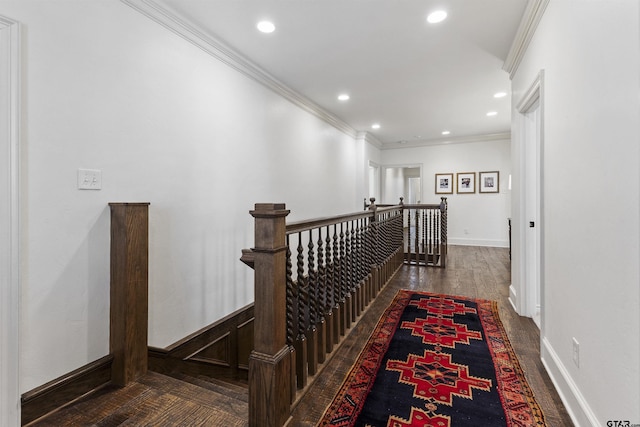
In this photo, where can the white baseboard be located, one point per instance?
(575, 403)
(461, 241)
(513, 297)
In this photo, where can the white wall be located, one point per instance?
(482, 215)
(107, 88)
(589, 51)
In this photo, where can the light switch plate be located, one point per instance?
(89, 179)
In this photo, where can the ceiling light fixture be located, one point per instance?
(446, 132)
(500, 95)
(492, 113)
(437, 16)
(375, 126)
(266, 27)
(343, 97)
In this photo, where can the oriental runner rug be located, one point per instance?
(440, 361)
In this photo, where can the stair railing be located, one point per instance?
(425, 232)
(313, 280)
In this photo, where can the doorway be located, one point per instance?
(402, 181)
(530, 111)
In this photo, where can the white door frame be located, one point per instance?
(9, 222)
(531, 294)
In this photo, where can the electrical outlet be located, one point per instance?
(576, 352)
(89, 179)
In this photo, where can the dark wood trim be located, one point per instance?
(220, 350)
(65, 389)
(129, 290)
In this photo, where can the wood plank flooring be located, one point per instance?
(475, 272)
(158, 400)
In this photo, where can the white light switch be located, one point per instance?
(89, 179)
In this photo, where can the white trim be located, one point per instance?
(575, 403)
(369, 138)
(10, 227)
(490, 243)
(530, 20)
(534, 94)
(513, 297)
(452, 140)
(235, 60)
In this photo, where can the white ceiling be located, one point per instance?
(415, 79)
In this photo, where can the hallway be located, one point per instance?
(477, 272)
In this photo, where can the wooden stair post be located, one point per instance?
(129, 290)
(270, 380)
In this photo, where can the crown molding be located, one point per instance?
(370, 138)
(235, 60)
(527, 28)
(447, 141)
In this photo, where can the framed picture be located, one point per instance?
(466, 182)
(444, 183)
(489, 182)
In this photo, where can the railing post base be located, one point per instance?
(270, 376)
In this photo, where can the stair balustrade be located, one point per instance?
(313, 280)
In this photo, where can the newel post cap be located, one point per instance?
(269, 210)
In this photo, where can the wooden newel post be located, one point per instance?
(129, 290)
(270, 361)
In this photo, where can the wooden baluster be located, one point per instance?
(330, 295)
(366, 257)
(321, 301)
(312, 288)
(409, 235)
(301, 348)
(336, 286)
(437, 235)
(343, 284)
(443, 231)
(375, 238)
(418, 219)
(434, 234)
(353, 267)
(292, 327)
(359, 265)
(426, 229)
(349, 279)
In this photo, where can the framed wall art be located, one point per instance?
(489, 182)
(466, 182)
(444, 183)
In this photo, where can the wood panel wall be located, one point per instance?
(220, 350)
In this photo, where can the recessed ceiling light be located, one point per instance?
(446, 132)
(266, 27)
(492, 113)
(437, 16)
(375, 126)
(500, 95)
(343, 97)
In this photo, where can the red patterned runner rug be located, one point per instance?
(440, 361)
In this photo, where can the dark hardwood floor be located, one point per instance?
(157, 400)
(476, 272)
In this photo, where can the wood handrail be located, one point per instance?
(309, 224)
